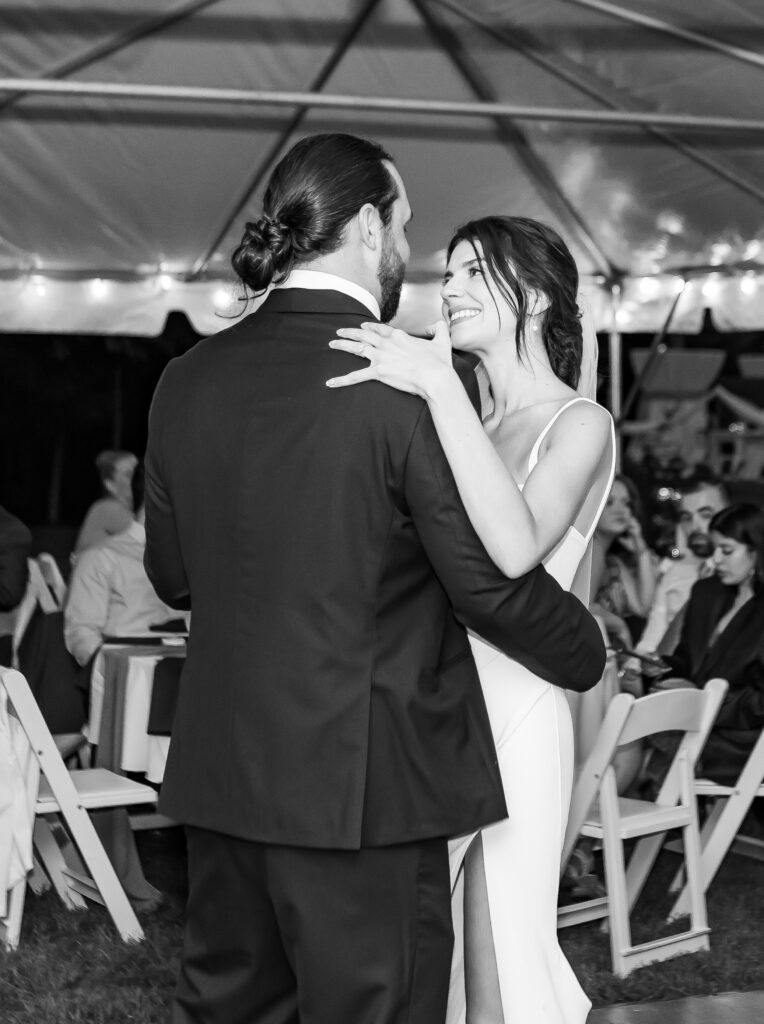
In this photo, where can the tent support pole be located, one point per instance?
(286, 133)
(395, 104)
(514, 139)
(615, 353)
(116, 43)
(677, 31)
(591, 85)
(657, 348)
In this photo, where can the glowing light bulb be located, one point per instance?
(165, 282)
(98, 287)
(221, 298)
(671, 223)
(711, 288)
(649, 287)
(719, 252)
(749, 284)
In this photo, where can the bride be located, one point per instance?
(534, 476)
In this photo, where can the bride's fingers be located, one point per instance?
(383, 330)
(356, 377)
(357, 334)
(355, 348)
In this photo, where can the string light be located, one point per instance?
(98, 288)
(719, 252)
(748, 283)
(165, 282)
(671, 223)
(711, 288)
(678, 285)
(649, 287)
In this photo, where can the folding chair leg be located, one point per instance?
(38, 881)
(680, 878)
(641, 863)
(719, 832)
(55, 865)
(615, 877)
(697, 898)
(103, 875)
(10, 925)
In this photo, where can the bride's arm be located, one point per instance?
(518, 528)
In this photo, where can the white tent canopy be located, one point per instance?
(137, 135)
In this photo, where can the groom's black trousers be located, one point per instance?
(283, 934)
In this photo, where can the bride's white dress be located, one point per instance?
(533, 733)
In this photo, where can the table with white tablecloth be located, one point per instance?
(124, 744)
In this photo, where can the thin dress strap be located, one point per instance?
(533, 458)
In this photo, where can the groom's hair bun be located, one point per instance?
(321, 183)
(527, 261)
(266, 251)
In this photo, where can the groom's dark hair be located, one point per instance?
(321, 183)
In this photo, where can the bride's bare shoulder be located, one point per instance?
(588, 413)
(583, 422)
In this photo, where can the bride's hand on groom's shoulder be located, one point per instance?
(418, 365)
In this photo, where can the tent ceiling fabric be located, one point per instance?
(116, 210)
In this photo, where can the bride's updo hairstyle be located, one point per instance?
(523, 255)
(320, 185)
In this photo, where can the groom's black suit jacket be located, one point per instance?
(329, 697)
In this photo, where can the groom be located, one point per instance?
(331, 732)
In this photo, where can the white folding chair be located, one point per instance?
(70, 796)
(51, 574)
(599, 813)
(730, 804)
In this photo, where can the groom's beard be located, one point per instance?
(390, 275)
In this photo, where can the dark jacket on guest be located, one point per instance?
(15, 545)
(329, 697)
(736, 655)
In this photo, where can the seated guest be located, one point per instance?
(702, 497)
(111, 595)
(623, 567)
(15, 545)
(113, 512)
(723, 636)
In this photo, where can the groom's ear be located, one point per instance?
(370, 226)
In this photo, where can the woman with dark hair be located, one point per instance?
(533, 476)
(723, 636)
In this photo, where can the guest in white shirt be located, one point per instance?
(111, 595)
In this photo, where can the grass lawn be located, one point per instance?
(71, 967)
